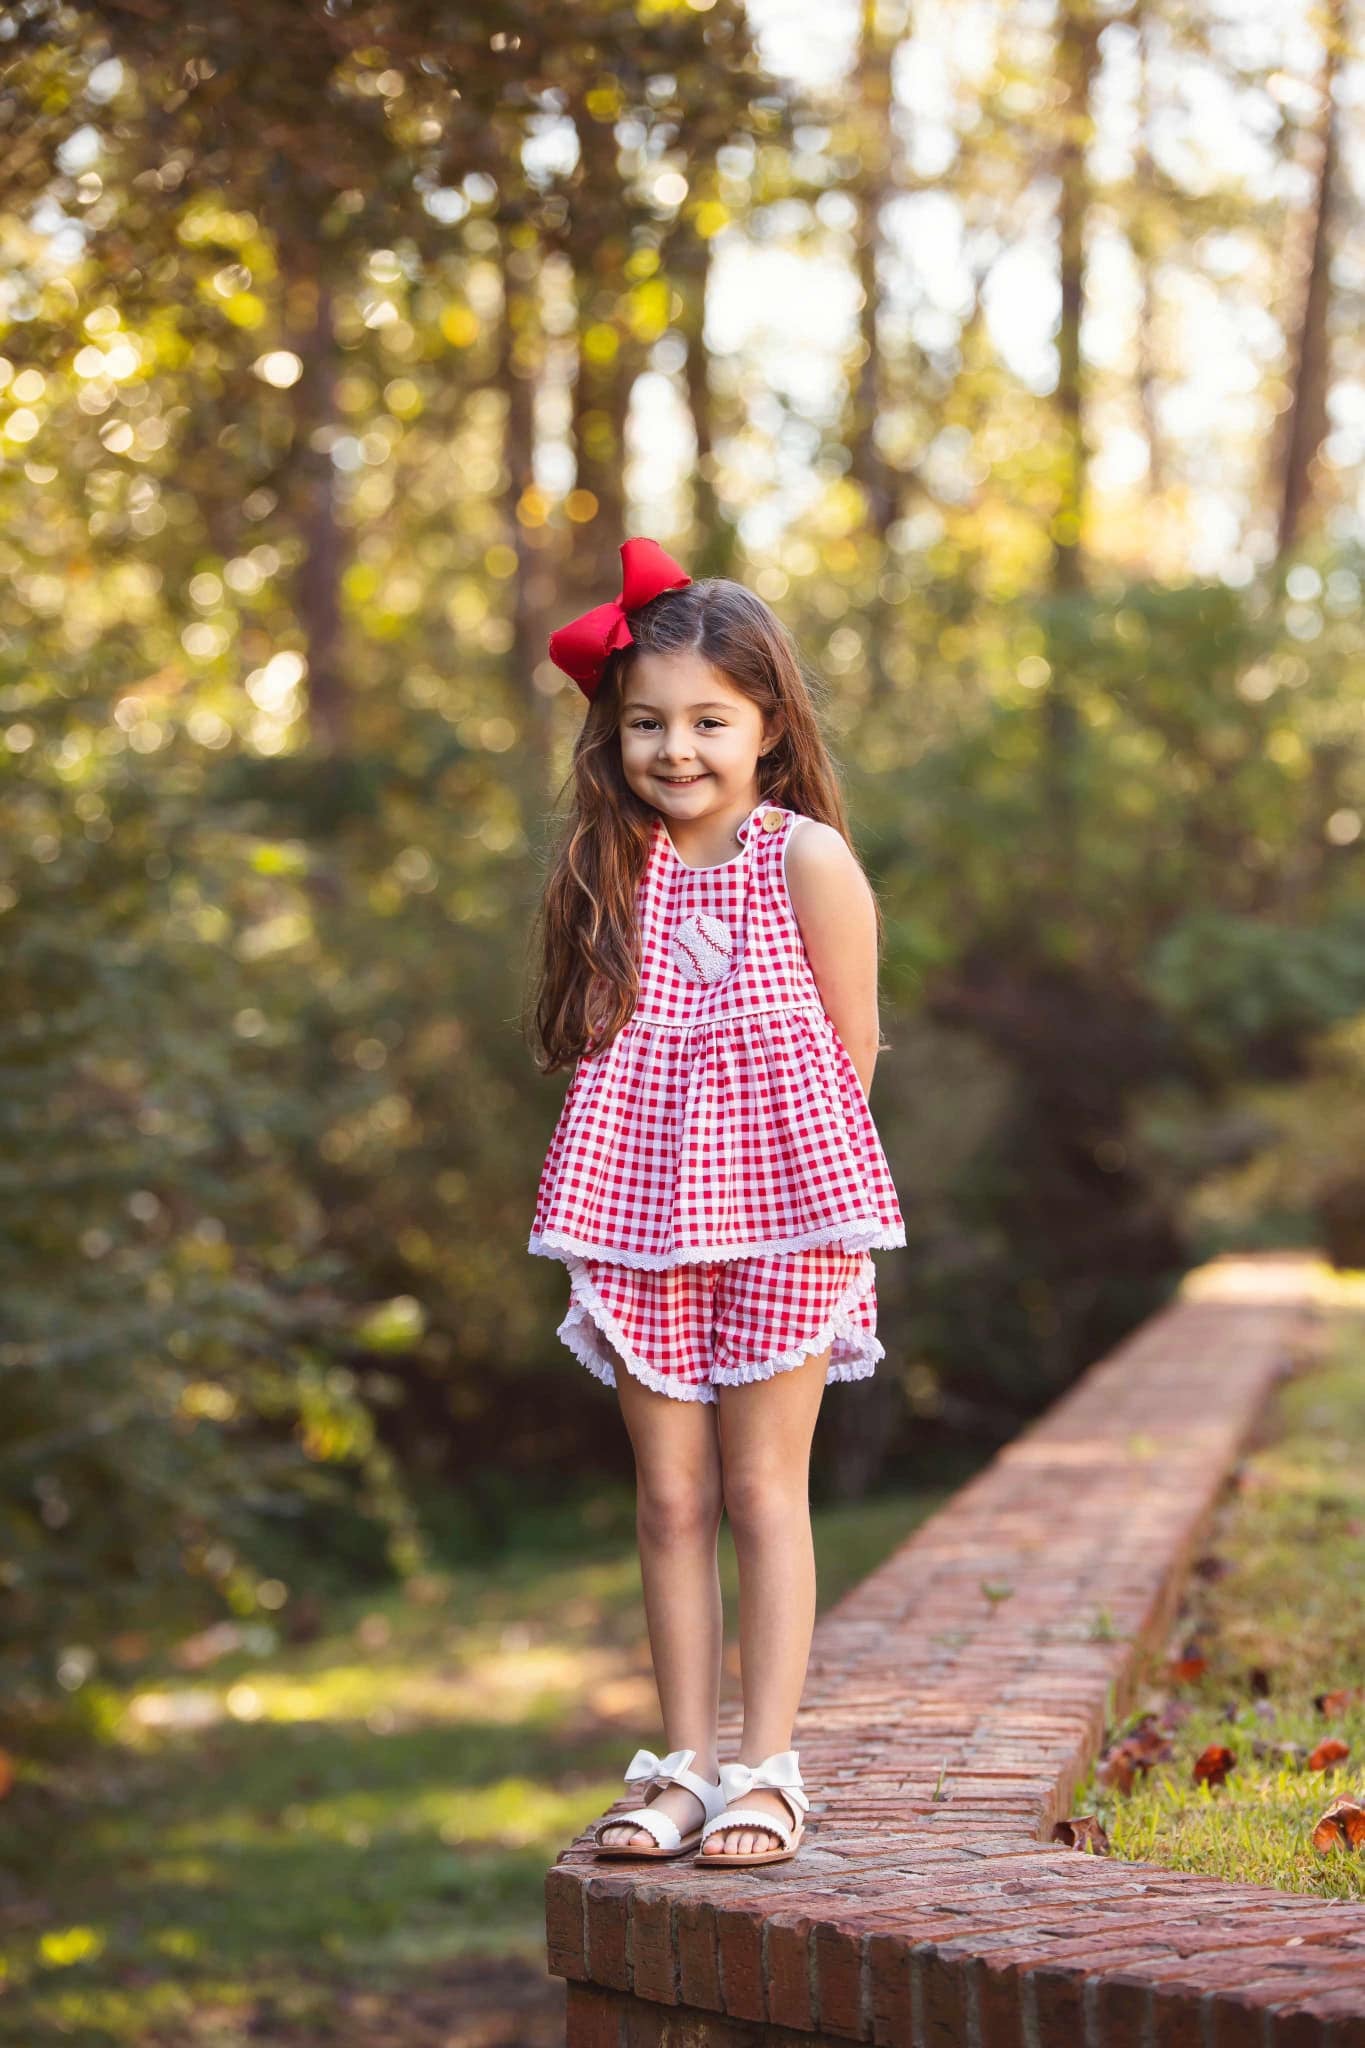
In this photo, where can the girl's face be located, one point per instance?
(690, 741)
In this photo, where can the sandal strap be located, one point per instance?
(665, 1831)
(658, 1771)
(712, 1797)
(749, 1817)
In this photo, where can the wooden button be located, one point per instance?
(772, 821)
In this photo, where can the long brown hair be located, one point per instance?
(586, 935)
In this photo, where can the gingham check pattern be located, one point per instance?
(690, 1329)
(725, 1120)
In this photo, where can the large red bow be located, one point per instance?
(581, 648)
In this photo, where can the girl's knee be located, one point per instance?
(757, 1496)
(677, 1507)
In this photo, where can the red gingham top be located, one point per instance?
(725, 1119)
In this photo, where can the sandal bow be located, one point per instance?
(645, 1765)
(657, 1772)
(778, 1773)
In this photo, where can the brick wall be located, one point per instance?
(927, 1914)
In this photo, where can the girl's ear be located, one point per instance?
(772, 737)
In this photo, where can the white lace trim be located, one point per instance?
(589, 1319)
(852, 1237)
(862, 1348)
(712, 1018)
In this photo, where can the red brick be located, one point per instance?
(787, 1969)
(945, 1995)
(1000, 1994)
(1296, 2029)
(694, 1927)
(592, 2018)
(565, 1948)
(606, 1919)
(841, 1977)
(1123, 2011)
(1180, 2016)
(739, 1938)
(1345, 2020)
(1057, 1994)
(888, 1963)
(649, 1944)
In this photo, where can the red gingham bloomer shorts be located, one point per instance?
(687, 1329)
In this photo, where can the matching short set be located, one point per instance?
(715, 1183)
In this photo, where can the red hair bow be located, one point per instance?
(581, 648)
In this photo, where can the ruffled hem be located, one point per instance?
(850, 1237)
(750, 1132)
(588, 1315)
(588, 1319)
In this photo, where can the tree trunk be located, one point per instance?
(1077, 42)
(1144, 245)
(870, 193)
(310, 494)
(597, 249)
(714, 542)
(1306, 423)
(519, 351)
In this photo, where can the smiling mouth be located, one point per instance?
(679, 781)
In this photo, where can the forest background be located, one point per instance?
(1013, 352)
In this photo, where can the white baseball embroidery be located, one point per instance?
(702, 948)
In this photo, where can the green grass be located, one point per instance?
(1291, 1603)
(354, 1816)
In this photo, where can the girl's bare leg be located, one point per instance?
(765, 1438)
(677, 1519)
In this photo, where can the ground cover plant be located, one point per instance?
(1246, 1758)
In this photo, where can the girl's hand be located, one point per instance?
(837, 916)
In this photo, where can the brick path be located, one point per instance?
(926, 1922)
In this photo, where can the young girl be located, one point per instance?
(715, 1182)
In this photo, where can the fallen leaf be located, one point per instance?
(1212, 1765)
(1341, 1827)
(1190, 1664)
(1082, 1831)
(1329, 1751)
(1143, 1746)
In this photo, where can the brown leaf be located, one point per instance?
(1329, 1751)
(1334, 1704)
(1212, 1765)
(6, 1773)
(1143, 1746)
(1082, 1831)
(1341, 1827)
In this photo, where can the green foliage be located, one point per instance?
(1285, 1605)
(174, 1359)
(324, 335)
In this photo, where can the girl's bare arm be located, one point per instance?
(837, 916)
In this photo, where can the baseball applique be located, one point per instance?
(702, 948)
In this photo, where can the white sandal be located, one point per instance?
(778, 1773)
(645, 1767)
